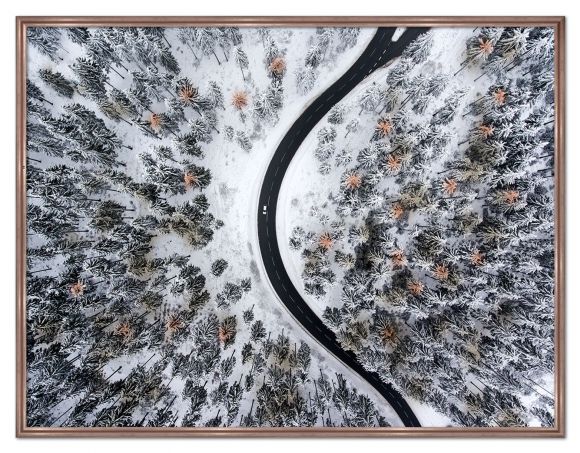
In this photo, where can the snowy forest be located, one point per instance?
(416, 220)
(430, 251)
(138, 312)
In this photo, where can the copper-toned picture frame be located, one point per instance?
(558, 24)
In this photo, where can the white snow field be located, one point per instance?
(430, 182)
(304, 199)
(232, 194)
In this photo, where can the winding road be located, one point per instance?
(380, 50)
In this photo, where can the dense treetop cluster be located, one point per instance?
(119, 334)
(440, 233)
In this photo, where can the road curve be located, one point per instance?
(379, 51)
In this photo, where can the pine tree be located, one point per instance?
(46, 40)
(214, 96)
(347, 37)
(78, 35)
(206, 40)
(92, 78)
(218, 267)
(187, 36)
(241, 60)
(419, 49)
(88, 135)
(57, 81)
(305, 79)
(102, 51)
(369, 99)
(268, 102)
(124, 105)
(336, 114)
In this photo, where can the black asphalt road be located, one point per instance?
(379, 51)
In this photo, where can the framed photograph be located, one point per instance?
(290, 226)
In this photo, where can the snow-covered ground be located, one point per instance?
(233, 192)
(306, 199)
(237, 181)
(304, 196)
(303, 203)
